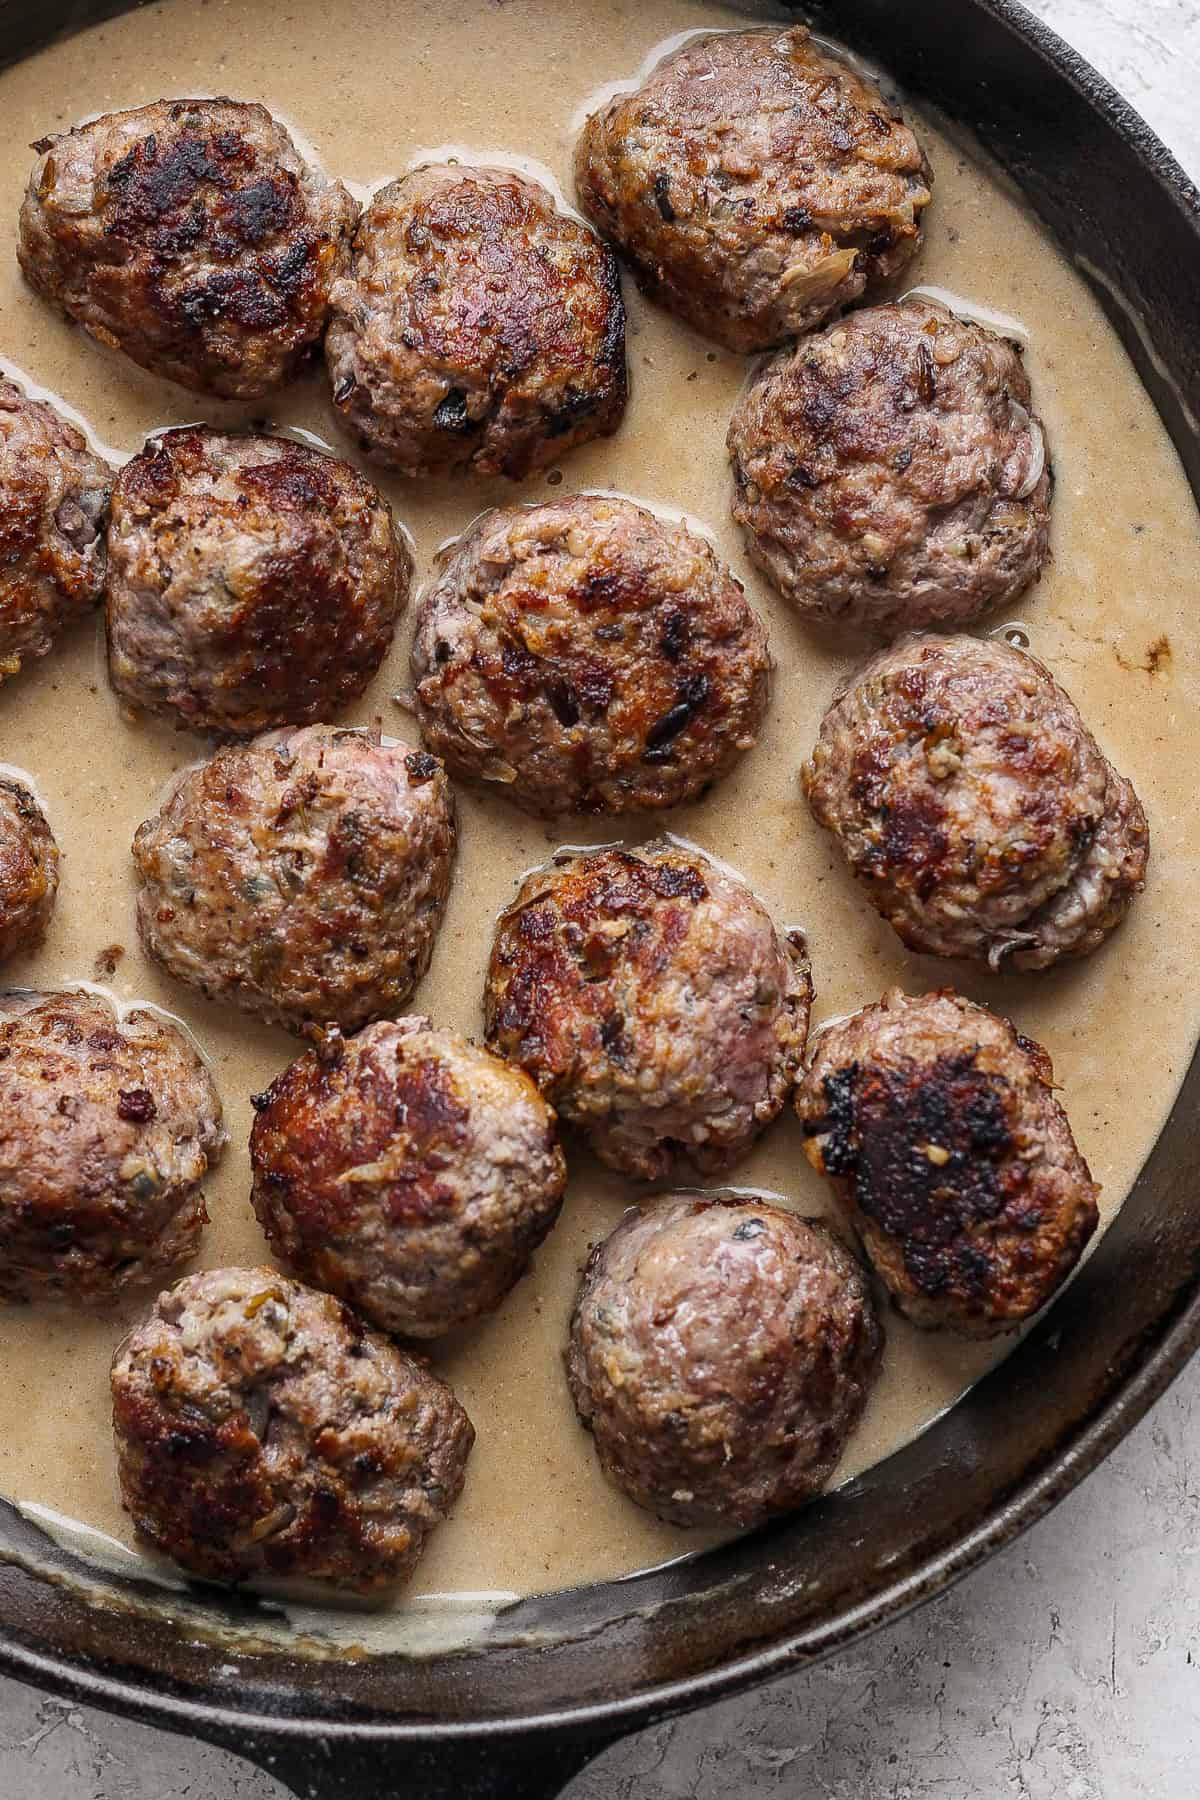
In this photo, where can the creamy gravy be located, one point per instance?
(1114, 617)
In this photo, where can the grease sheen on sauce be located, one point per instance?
(508, 75)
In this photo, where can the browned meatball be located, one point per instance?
(756, 183)
(721, 1354)
(53, 502)
(408, 1171)
(193, 236)
(108, 1126)
(938, 1126)
(652, 1000)
(302, 877)
(263, 1431)
(28, 870)
(586, 656)
(251, 581)
(480, 329)
(965, 790)
(888, 472)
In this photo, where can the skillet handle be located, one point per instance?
(502, 1768)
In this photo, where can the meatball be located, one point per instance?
(756, 183)
(587, 656)
(937, 1124)
(408, 1171)
(263, 1431)
(965, 790)
(888, 473)
(479, 329)
(28, 870)
(652, 1000)
(251, 581)
(302, 877)
(108, 1126)
(721, 1354)
(53, 501)
(193, 236)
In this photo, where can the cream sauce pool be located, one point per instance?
(371, 85)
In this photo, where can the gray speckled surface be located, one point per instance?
(1062, 1671)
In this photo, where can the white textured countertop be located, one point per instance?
(1062, 1671)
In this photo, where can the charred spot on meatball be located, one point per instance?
(301, 877)
(967, 794)
(938, 1126)
(721, 1354)
(649, 995)
(889, 473)
(585, 656)
(53, 503)
(252, 582)
(756, 184)
(28, 870)
(478, 330)
(263, 1431)
(108, 1126)
(191, 235)
(407, 1171)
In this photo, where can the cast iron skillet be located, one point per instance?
(563, 1675)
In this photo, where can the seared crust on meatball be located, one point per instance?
(937, 1124)
(193, 236)
(252, 581)
(889, 474)
(408, 1171)
(302, 877)
(588, 657)
(28, 870)
(53, 503)
(263, 1431)
(480, 329)
(721, 1354)
(756, 183)
(108, 1126)
(965, 790)
(650, 997)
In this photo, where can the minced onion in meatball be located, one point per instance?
(408, 1171)
(193, 236)
(108, 1126)
(938, 1126)
(263, 1431)
(28, 870)
(252, 581)
(586, 656)
(964, 789)
(53, 502)
(721, 1354)
(479, 329)
(756, 183)
(302, 877)
(889, 474)
(651, 998)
